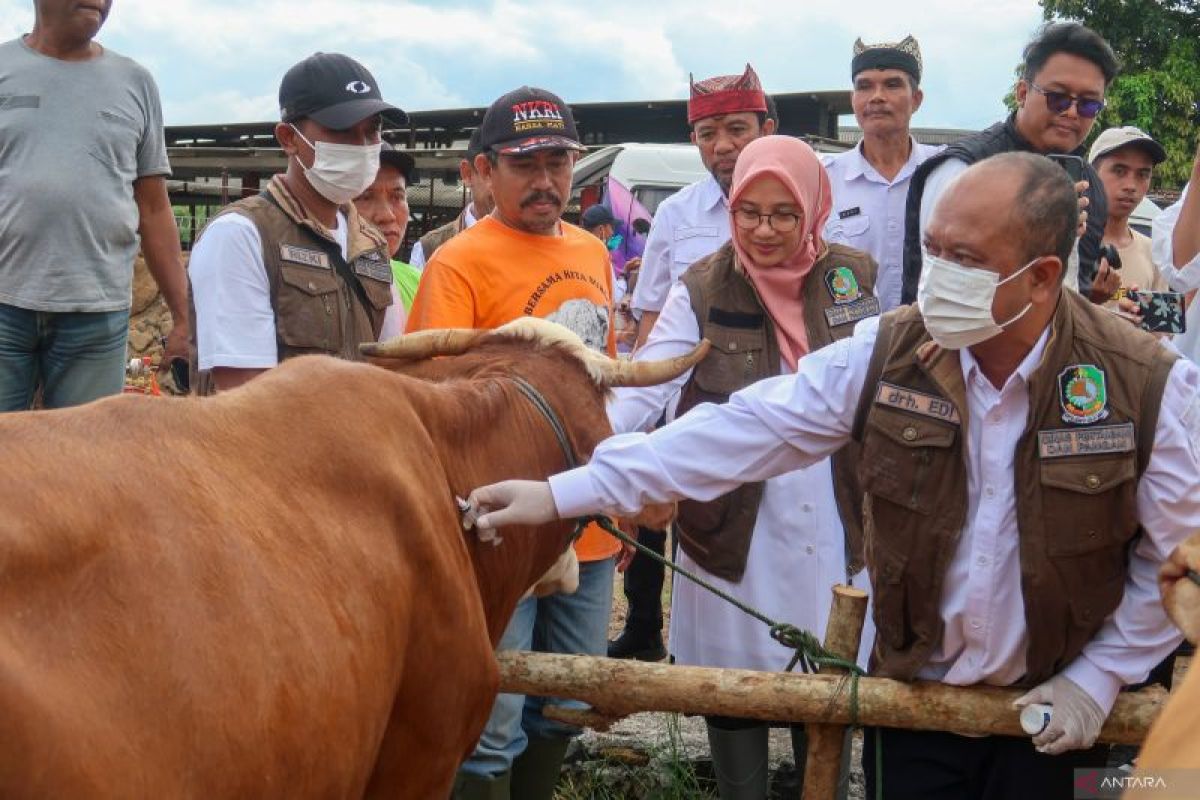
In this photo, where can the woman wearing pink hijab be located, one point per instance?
(774, 293)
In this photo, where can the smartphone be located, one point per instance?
(1072, 164)
(1162, 312)
(1111, 254)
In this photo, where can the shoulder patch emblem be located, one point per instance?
(1082, 394)
(371, 265)
(842, 285)
(927, 405)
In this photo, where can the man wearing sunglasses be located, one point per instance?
(1067, 69)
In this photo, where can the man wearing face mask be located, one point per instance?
(1028, 461)
(296, 270)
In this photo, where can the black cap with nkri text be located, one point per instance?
(528, 119)
(335, 91)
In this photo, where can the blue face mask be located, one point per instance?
(614, 241)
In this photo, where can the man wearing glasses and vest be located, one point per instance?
(1067, 69)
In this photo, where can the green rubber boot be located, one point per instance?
(740, 762)
(535, 772)
(477, 787)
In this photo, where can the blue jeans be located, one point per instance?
(561, 623)
(77, 357)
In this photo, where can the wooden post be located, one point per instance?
(843, 634)
(619, 688)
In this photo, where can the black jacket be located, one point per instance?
(999, 138)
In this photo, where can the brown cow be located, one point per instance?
(268, 593)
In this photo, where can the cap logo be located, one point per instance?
(357, 87)
(537, 115)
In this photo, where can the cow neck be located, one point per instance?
(485, 430)
(560, 432)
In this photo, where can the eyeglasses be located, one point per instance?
(780, 221)
(1059, 102)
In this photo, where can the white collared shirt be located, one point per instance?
(688, 225)
(785, 423)
(417, 257)
(1180, 279)
(868, 213)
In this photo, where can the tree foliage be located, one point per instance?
(1158, 90)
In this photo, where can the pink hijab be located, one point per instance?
(780, 288)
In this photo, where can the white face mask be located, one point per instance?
(341, 172)
(956, 302)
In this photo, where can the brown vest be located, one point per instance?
(437, 237)
(1076, 480)
(322, 303)
(837, 293)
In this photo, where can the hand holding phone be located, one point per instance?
(1162, 312)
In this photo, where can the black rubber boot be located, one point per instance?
(535, 772)
(642, 637)
(476, 787)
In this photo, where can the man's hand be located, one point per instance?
(628, 551)
(1181, 594)
(1105, 284)
(510, 503)
(175, 345)
(1075, 722)
(1081, 189)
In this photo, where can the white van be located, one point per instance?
(652, 172)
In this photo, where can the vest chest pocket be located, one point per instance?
(904, 456)
(308, 310)
(733, 362)
(1088, 503)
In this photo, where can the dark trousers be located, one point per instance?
(644, 585)
(933, 765)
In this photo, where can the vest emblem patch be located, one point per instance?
(927, 405)
(1082, 394)
(842, 285)
(303, 255)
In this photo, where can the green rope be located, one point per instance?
(809, 652)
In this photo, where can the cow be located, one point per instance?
(269, 592)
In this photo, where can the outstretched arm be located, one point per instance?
(775, 426)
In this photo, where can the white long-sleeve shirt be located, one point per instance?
(688, 225)
(1180, 279)
(792, 421)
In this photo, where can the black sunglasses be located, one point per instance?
(1059, 102)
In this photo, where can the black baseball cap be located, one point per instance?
(405, 164)
(473, 148)
(595, 216)
(528, 119)
(334, 90)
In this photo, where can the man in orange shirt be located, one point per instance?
(523, 260)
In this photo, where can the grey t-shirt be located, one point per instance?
(73, 138)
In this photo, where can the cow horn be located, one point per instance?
(623, 372)
(423, 344)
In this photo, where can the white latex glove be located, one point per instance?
(510, 503)
(1075, 721)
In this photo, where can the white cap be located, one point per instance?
(1116, 138)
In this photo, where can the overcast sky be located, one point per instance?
(221, 60)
